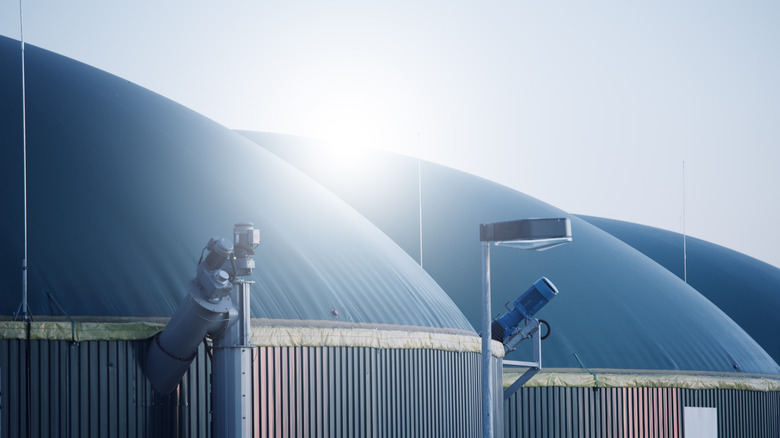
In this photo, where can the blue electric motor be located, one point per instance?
(536, 297)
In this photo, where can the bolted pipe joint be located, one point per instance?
(211, 278)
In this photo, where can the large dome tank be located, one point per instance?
(617, 308)
(124, 189)
(746, 289)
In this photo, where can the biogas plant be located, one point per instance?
(166, 276)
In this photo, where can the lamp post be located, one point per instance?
(529, 234)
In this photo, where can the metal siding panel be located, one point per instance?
(121, 378)
(584, 424)
(606, 413)
(284, 392)
(414, 393)
(83, 389)
(462, 406)
(330, 406)
(59, 387)
(416, 384)
(317, 417)
(638, 411)
(267, 398)
(439, 406)
(112, 399)
(302, 386)
(41, 397)
(322, 400)
(35, 385)
(643, 418)
(498, 396)
(49, 389)
(56, 390)
(17, 404)
(406, 425)
(572, 405)
(25, 401)
(536, 412)
(339, 393)
(266, 401)
(396, 408)
(381, 395)
(374, 430)
(529, 422)
(391, 402)
(277, 389)
(348, 394)
(295, 391)
(260, 399)
(75, 388)
(101, 374)
(304, 392)
(359, 412)
(339, 399)
(365, 393)
(3, 387)
(409, 399)
(313, 400)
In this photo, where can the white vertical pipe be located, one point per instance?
(487, 375)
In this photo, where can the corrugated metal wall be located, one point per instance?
(93, 389)
(98, 388)
(341, 391)
(636, 412)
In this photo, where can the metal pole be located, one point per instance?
(487, 375)
(25, 307)
(231, 365)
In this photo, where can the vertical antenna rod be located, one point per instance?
(24, 308)
(419, 194)
(685, 252)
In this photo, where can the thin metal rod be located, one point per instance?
(25, 308)
(487, 375)
(419, 194)
(685, 250)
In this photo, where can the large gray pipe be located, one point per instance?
(205, 310)
(173, 350)
(215, 308)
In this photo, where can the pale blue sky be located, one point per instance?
(589, 106)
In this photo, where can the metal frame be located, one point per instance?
(530, 234)
(533, 367)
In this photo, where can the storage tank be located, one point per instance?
(631, 345)
(746, 289)
(124, 189)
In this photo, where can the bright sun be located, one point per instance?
(352, 116)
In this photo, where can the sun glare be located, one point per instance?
(352, 116)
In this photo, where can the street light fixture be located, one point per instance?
(529, 234)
